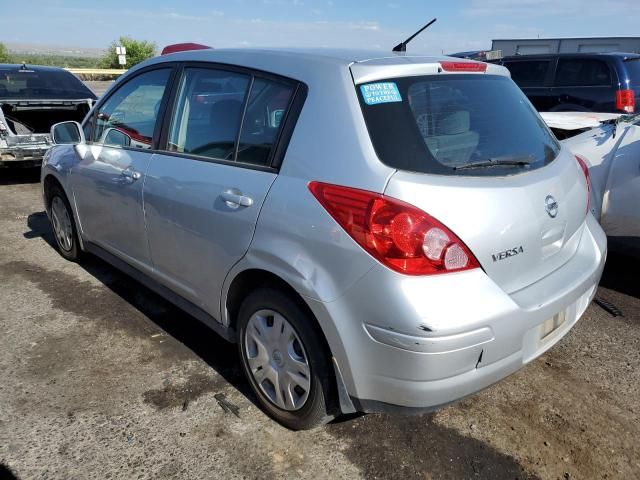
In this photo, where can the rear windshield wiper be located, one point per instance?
(514, 161)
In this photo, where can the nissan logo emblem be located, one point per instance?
(551, 206)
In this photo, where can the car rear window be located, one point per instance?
(18, 83)
(440, 124)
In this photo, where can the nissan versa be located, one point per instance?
(375, 231)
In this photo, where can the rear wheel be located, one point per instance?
(283, 359)
(64, 227)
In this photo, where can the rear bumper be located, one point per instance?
(22, 157)
(424, 342)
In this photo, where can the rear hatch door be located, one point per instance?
(471, 150)
(509, 223)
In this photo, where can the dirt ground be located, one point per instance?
(100, 378)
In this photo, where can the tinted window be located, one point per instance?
(633, 71)
(573, 73)
(208, 111)
(43, 85)
(267, 105)
(528, 74)
(443, 123)
(128, 117)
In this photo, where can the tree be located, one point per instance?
(4, 54)
(137, 51)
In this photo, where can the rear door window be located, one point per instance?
(582, 72)
(449, 124)
(208, 112)
(529, 73)
(227, 115)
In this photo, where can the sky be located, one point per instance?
(462, 24)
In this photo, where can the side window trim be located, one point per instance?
(161, 111)
(289, 124)
(245, 104)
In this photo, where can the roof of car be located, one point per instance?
(337, 56)
(313, 65)
(28, 66)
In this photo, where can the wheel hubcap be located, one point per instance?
(61, 224)
(277, 360)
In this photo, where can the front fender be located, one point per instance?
(58, 164)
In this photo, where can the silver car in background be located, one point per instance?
(610, 147)
(375, 231)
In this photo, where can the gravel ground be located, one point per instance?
(101, 378)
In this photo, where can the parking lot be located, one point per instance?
(103, 379)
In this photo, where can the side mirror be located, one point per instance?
(114, 137)
(67, 133)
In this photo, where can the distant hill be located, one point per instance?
(58, 50)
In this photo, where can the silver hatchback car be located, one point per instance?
(375, 231)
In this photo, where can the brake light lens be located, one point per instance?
(463, 66)
(399, 235)
(587, 176)
(626, 101)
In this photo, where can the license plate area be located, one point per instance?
(550, 326)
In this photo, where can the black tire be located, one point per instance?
(72, 252)
(317, 409)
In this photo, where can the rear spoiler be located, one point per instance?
(183, 47)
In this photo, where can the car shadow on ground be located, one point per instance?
(380, 445)
(621, 274)
(15, 176)
(201, 340)
(6, 473)
(408, 447)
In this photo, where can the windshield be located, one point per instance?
(456, 125)
(17, 83)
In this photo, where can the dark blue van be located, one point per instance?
(586, 82)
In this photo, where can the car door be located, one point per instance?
(107, 183)
(583, 84)
(531, 76)
(203, 195)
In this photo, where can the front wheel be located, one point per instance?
(64, 227)
(284, 360)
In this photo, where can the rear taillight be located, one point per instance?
(463, 66)
(399, 235)
(587, 177)
(626, 101)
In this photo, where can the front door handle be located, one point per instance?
(131, 174)
(234, 198)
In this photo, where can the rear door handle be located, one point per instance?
(131, 174)
(234, 198)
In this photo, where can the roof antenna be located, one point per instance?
(402, 47)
